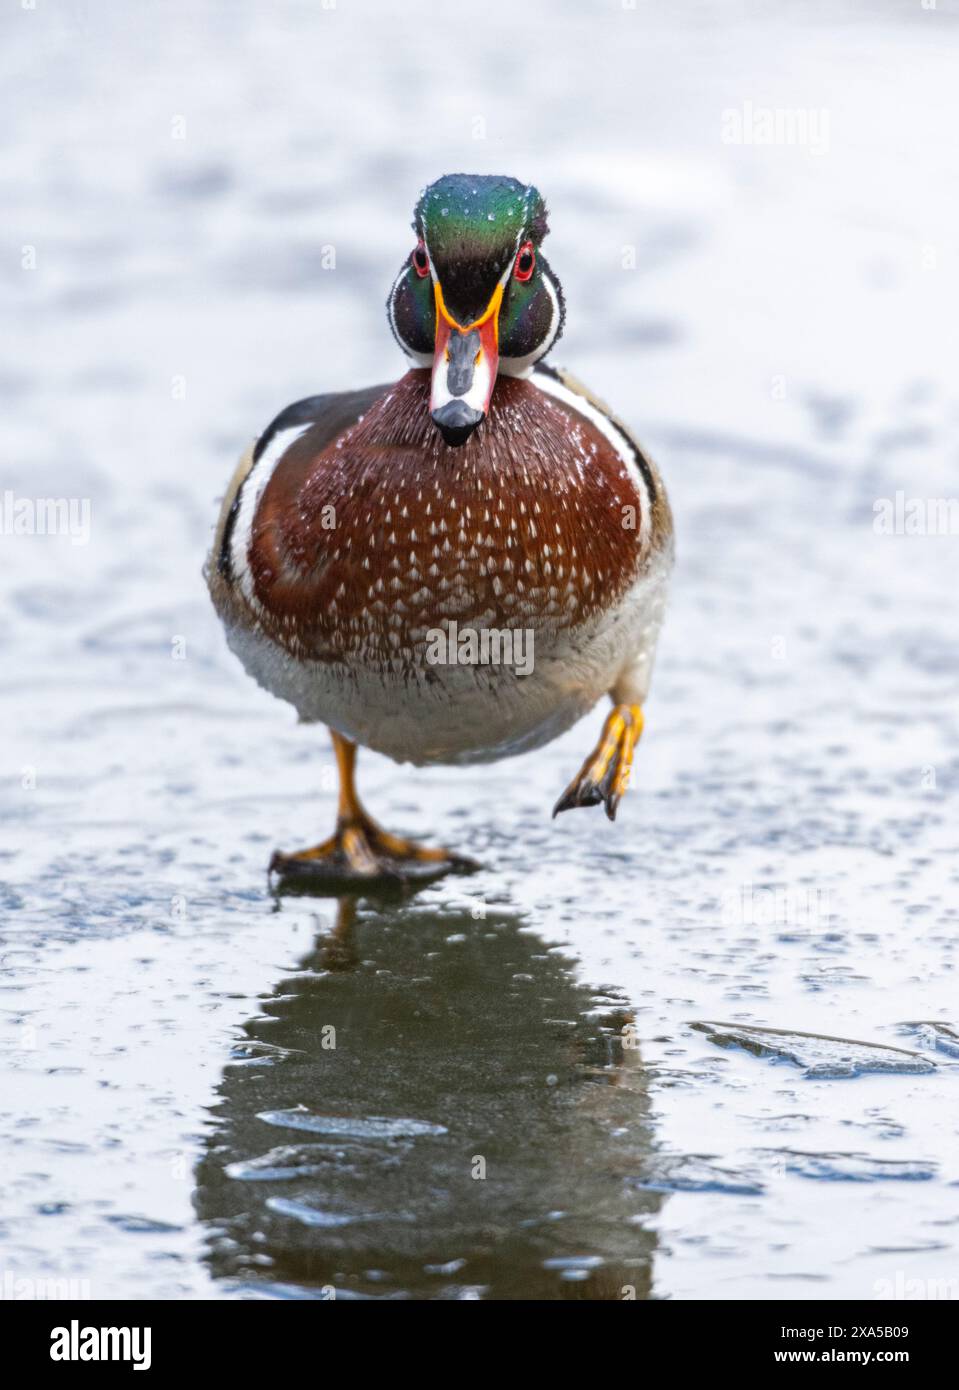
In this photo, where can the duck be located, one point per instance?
(455, 567)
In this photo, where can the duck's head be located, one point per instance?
(475, 296)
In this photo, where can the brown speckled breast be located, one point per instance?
(362, 546)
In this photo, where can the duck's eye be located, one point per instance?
(421, 261)
(525, 261)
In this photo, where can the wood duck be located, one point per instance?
(456, 567)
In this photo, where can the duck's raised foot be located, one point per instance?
(604, 776)
(360, 854)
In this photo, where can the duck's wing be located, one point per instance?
(573, 390)
(326, 417)
(647, 596)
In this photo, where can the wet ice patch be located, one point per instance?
(696, 1173)
(141, 1225)
(817, 1054)
(574, 1268)
(313, 1216)
(350, 1127)
(935, 1036)
(854, 1167)
(289, 1161)
(250, 1053)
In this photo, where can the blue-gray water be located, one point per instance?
(585, 1015)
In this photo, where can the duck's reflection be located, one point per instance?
(519, 1122)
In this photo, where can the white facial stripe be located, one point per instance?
(522, 366)
(550, 386)
(250, 493)
(391, 303)
(429, 255)
(422, 359)
(509, 269)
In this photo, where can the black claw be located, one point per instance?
(582, 794)
(590, 793)
(462, 864)
(610, 796)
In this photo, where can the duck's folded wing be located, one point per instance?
(324, 418)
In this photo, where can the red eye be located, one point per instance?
(525, 261)
(421, 261)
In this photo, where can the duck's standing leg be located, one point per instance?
(359, 849)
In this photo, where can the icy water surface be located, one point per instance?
(711, 1051)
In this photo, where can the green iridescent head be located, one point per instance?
(476, 295)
